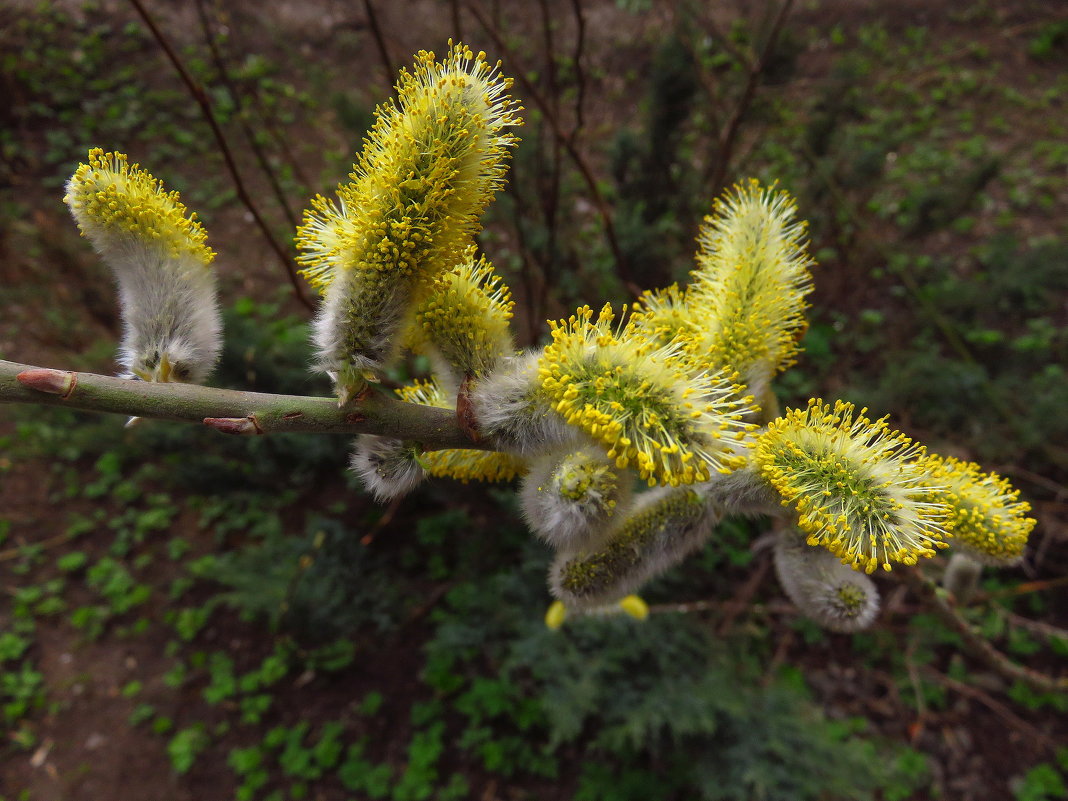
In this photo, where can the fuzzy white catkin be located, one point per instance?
(743, 493)
(570, 497)
(389, 468)
(332, 321)
(662, 527)
(169, 312)
(834, 595)
(172, 329)
(513, 413)
(962, 576)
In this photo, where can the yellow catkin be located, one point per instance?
(465, 317)
(648, 409)
(858, 486)
(428, 168)
(749, 286)
(430, 165)
(116, 203)
(462, 464)
(986, 515)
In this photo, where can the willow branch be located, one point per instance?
(729, 135)
(232, 411)
(974, 642)
(567, 140)
(242, 117)
(204, 104)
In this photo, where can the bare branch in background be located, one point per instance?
(457, 27)
(728, 136)
(603, 210)
(974, 642)
(250, 137)
(380, 43)
(580, 75)
(202, 101)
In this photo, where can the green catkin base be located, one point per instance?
(665, 527)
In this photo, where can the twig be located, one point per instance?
(742, 597)
(917, 690)
(603, 210)
(550, 189)
(202, 101)
(1001, 710)
(1035, 478)
(717, 605)
(550, 54)
(457, 26)
(953, 339)
(382, 522)
(254, 145)
(974, 642)
(580, 74)
(232, 411)
(708, 26)
(729, 134)
(1034, 626)
(13, 553)
(531, 275)
(1025, 588)
(380, 43)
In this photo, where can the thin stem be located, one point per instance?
(576, 60)
(380, 43)
(201, 98)
(729, 135)
(242, 116)
(1014, 721)
(974, 642)
(233, 411)
(603, 210)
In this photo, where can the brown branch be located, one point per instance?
(457, 26)
(1044, 630)
(13, 553)
(250, 137)
(202, 101)
(844, 205)
(1023, 589)
(974, 642)
(729, 135)
(380, 43)
(580, 74)
(743, 596)
(1014, 721)
(603, 210)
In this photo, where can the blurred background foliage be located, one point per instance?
(240, 620)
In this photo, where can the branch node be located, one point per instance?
(465, 413)
(241, 426)
(54, 382)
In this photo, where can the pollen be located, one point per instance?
(116, 203)
(430, 165)
(465, 317)
(750, 283)
(462, 464)
(987, 517)
(632, 398)
(857, 485)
